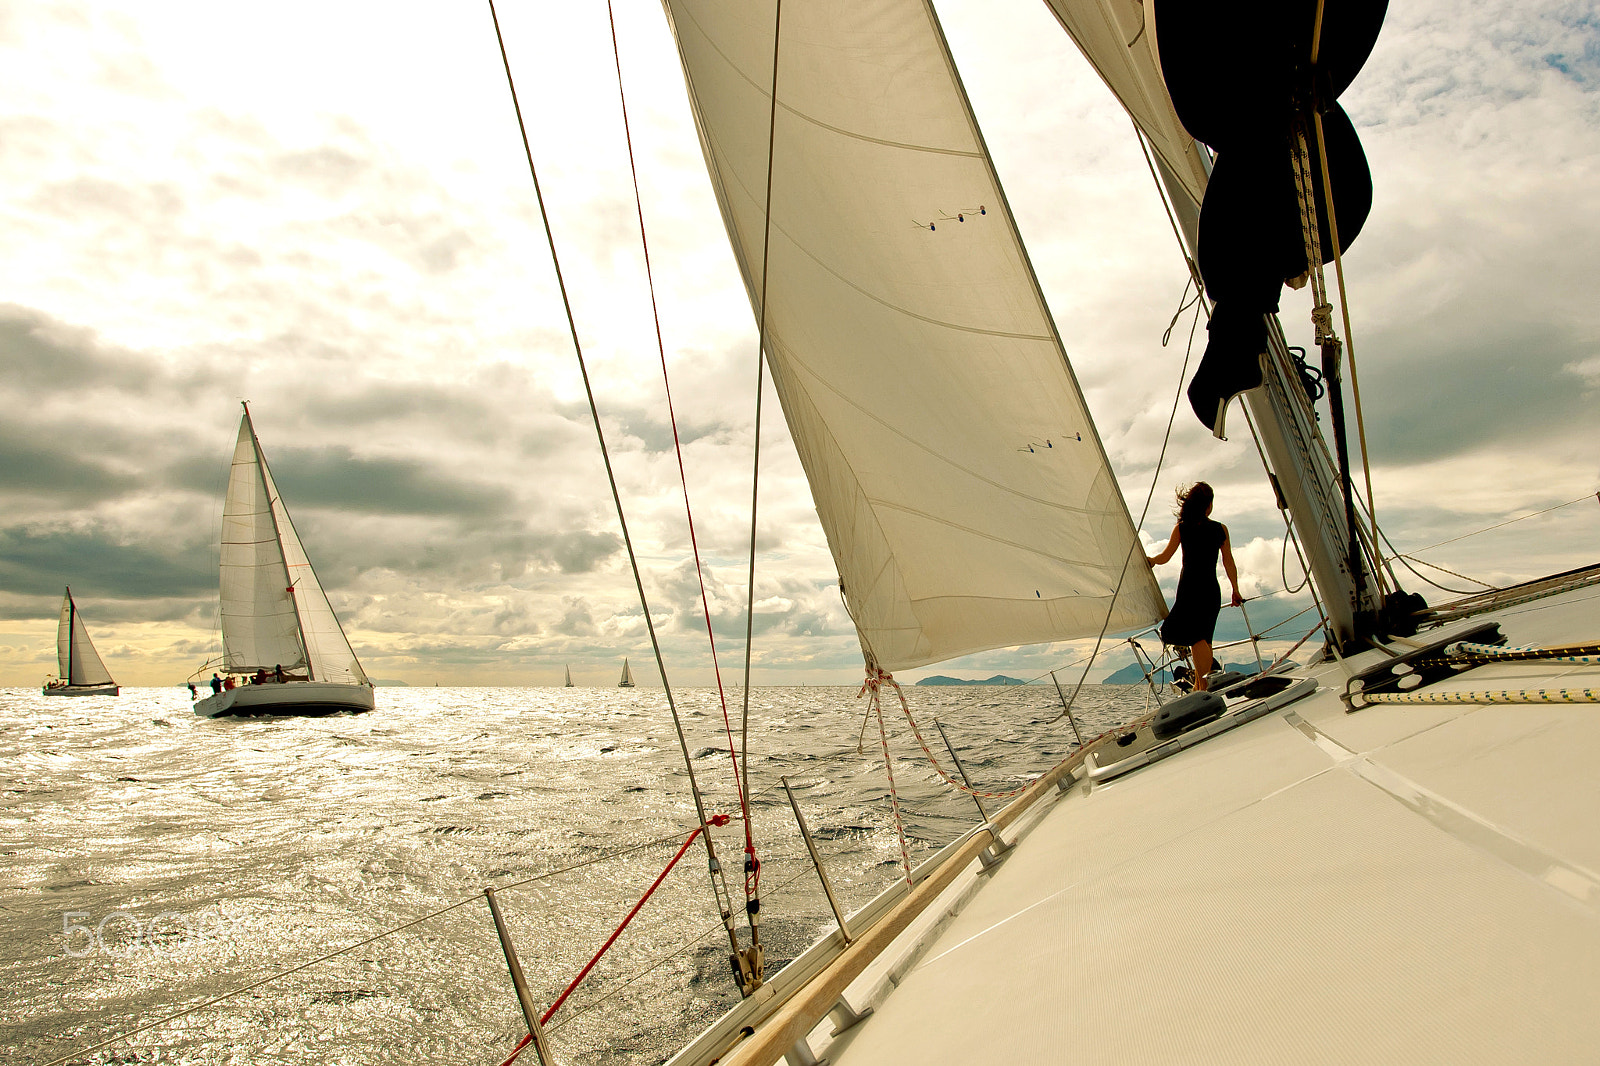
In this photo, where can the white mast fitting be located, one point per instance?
(275, 616)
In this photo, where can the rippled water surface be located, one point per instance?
(151, 860)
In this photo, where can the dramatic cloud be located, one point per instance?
(339, 227)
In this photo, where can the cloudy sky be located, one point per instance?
(324, 209)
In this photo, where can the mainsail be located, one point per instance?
(77, 663)
(963, 490)
(274, 612)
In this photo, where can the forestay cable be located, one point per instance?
(717, 887)
(739, 783)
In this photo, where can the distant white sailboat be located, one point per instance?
(283, 649)
(81, 673)
(569, 683)
(627, 676)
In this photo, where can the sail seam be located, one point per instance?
(802, 116)
(925, 449)
(890, 506)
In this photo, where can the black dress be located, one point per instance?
(1194, 609)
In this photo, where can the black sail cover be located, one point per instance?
(1240, 76)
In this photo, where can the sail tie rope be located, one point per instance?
(717, 820)
(719, 886)
(751, 885)
(874, 683)
(878, 680)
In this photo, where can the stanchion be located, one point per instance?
(816, 860)
(524, 997)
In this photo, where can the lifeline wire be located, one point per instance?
(612, 939)
(611, 478)
(683, 478)
(351, 947)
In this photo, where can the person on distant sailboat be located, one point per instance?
(1194, 610)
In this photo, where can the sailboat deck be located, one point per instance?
(1402, 884)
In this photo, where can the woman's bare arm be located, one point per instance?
(1166, 553)
(1228, 567)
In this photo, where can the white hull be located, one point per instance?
(81, 690)
(1399, 884)
(290, 697)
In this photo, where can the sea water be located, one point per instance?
(151, 860)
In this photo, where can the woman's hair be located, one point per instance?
(1193, 502)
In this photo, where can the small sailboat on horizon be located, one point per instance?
(283, 650)
(569, 683)
(627, 676)
(80, 671)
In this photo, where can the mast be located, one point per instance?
(1119, 39)
(1303, 477)
(72, 645)
(272, 510)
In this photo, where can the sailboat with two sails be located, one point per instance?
(283, 649)
(80, 672)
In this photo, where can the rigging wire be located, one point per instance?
(280, 975)
(752, 864)
(718, 887)
(739, 783)
(1138, 545)
(1498, 525)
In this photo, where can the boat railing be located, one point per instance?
(524, 973)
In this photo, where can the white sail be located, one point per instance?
(569, 678)
(77, 661)
(963, 490)
(627, 676)
(274, 611)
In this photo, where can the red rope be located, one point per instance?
(719, 819)
(753, 878)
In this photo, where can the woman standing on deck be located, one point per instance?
(1194, 610)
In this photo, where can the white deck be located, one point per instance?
(1402, 884)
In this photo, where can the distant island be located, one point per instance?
(997, 679)
(1133, 674)
(385, 682)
